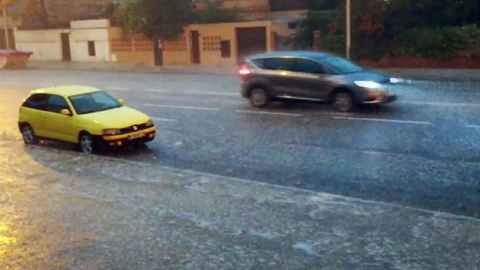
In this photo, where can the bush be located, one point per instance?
(213, 12)
(438, 43)
(315, 20)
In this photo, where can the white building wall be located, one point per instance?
(46, 45)
(79, 39)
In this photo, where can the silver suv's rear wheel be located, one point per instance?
(343, 101)
(259, 97)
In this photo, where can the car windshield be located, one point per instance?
(340, 65)
(94, 102)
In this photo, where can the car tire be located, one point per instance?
(343, 101)
(259, 97)
(28, 134)
(86, 143)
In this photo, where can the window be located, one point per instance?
(225, 48)
(340, 65)
(56, 104)
(37, 101)
(275, 63)
(307, 66)
(94, 102)
(91, 48)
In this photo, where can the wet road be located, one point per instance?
(422, 151)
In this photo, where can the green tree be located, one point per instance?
(32, 11)
(213, 12)
(157, 19)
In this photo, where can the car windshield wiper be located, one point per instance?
(100, 110)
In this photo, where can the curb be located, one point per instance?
(167, 71)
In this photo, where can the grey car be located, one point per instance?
(312, 76)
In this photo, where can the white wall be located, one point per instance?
(79, 44)
(46, 45)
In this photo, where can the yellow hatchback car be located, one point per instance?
(83, 115)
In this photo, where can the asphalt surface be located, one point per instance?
(422, 151)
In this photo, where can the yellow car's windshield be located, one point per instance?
(93, 102)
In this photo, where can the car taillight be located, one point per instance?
(245, 70)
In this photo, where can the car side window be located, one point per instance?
(275, 63)
(37, 101)
(56, 104)
(308, 66)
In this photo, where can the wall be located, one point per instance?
(132, 49)
(210, 37)
(90, 30)
(45, 44)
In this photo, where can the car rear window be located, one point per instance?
(37, 101)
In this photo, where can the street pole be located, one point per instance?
(5, 25)
(348, 28)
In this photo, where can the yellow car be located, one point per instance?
(83, 115)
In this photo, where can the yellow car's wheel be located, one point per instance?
(28, 134)
(87, 143)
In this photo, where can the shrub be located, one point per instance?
(438, 43)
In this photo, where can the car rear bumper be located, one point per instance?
(129, 139)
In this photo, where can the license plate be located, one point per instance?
(136, 136)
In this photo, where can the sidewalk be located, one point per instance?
(416, 74)
(91, 212)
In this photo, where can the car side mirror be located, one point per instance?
(121, 101)
(66, 112)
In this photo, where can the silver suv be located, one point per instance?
(312, 76)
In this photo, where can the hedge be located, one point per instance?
(439, 43)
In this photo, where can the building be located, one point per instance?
(264, 9)
(43, 14)
(269, 25)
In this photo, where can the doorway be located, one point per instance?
(66, 53)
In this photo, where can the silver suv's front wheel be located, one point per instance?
(343, 102)
(259, 97)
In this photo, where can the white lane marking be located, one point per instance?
(383, 120)
(270, 113)
(193, 92)
(182, 107)
(160, 119)
(473, 126)
(211, 93)
(158, 90)
(116, 88)
(445, 104)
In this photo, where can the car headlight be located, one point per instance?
(368, 84)
(110, 132)
(150, 123)
(395, 80)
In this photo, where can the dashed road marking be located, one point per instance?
(444, 104)
(270, 113)
(116, 88)
(182, 107)
(210, 93)
(383, 120)
(157, 90)
(160, 119)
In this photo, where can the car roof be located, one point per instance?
(66, 90)
(301, 54)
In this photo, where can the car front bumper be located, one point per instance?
(383, 99)
(142, 136)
